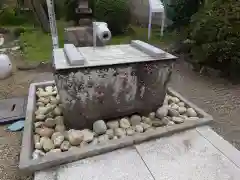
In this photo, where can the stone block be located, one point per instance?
(186, 155)
(12, 109)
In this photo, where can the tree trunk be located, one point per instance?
(40, 14)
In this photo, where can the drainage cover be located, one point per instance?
(12, 109)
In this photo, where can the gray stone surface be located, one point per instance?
(148, 49)
(12, 109)
(191, 155)
(81, 36)
(187, 155)
(109, 92)
(116, 80)
(108, 55)
(73, 56)
(223, 146)
(117, 165)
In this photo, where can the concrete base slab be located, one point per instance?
(29, 164)
(12, 109)
(223, 146)
(120, 164)
(186, 155)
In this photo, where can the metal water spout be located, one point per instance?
(101, 31)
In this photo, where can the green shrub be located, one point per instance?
(18, 31)
(182, 10)
(115, 12)
(1, 5)
(9, 16)
(70, 6)
(216, 31)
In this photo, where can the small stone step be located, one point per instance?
(78, 36)
(83, 10)
(85, 22)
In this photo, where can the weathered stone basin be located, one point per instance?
(114, 81)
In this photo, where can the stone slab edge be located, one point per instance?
(227, 149)
(60, 61)
(148, 49)
(27, 164)
(20, 116)
(27, 139)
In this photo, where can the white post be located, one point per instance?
(94, 34)
(149, 23)
(163, 22)
(53, 25)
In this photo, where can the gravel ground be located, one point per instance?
(216, 96)
(10, 142)
(18, 83)
(9, 155)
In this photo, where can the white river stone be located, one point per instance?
(99, 127)
(124, 123)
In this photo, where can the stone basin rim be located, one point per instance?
(60, 61)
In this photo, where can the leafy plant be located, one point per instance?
(12, 16)
(182, 10)
(115, 12)
(71, 14)
(8, 17)
(216, 31)
(2, 2)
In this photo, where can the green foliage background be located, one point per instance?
(115, 12)
(216, 32)
(9, 15)
(180, 11)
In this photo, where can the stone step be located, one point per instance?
(83, 10)
(85, 22)
(79, 36)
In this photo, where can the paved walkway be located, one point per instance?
(194, 154)
(216, 96)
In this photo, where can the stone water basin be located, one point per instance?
(111, 81)
(47, 141)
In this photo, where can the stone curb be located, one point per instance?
(222, 145)
(27, 164)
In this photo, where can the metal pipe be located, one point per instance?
(94, 35)
(53, 24)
